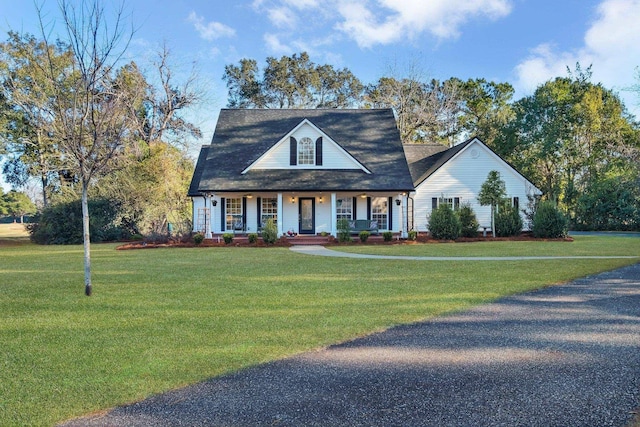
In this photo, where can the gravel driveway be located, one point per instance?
(563, 356)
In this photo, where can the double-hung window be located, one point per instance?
(268, 210)
(379, 211)
(344, 208)
(233, 209)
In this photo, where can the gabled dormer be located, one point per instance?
(306, 147)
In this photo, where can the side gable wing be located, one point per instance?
(470, 152)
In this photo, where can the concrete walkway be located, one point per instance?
(566, 355)
(322, 251)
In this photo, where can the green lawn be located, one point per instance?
(164, 318)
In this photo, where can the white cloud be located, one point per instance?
(611, 45)
(274, 45)
(282, 17)
(371, 22)
(211, 30)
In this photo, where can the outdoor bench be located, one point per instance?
(358, 225)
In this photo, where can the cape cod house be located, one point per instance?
(306, 169)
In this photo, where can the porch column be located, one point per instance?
(280, 215)
(334, 215)
(403, 216)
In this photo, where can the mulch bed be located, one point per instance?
(285, 242)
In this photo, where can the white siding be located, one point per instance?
(323, 215)
(333, 157)
(462, 177)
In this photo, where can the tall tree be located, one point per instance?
(492, 191)
(18, 205)
(486, 108)
(290, 82)
(156, 104)
(426, 111)
(568, 134)
(27, 67)
(92, 127)
(151, 190)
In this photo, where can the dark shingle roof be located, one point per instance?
(242, 136)
(425, 159)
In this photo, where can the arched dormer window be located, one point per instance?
(306, 151)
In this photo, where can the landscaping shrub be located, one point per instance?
(228, 238)
(61, 224)
(198, 238)
(413, 235)
(468, 221)
(387, 236)
(609, 203)
(549, 222)
(343, 230)
(364, 236)
(270, 232)
(253, 237)
(444, 223)
(508, 221)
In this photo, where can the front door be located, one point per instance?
(307, 214)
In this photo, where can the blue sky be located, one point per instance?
(523, 42)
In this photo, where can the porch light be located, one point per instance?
(214, 203)
(398, 201)
(320, 200)
(293, 199)
(363, 196)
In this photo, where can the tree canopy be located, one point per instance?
(290, 82)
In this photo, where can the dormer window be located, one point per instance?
(306, 152)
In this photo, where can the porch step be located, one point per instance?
(308, 240)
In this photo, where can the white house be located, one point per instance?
(307, 169)
(454, 176)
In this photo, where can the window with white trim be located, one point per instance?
(268, 210)
(306, 151)
(452, 202)
(379, 212)
(344, 208)
(233, 210)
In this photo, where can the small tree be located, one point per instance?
(90, 108)
(468, 221)
(270, 232)
(444, 223)
(492, 191)
(343, 230)
(549, 222)
(508, 221)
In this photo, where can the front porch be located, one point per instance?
(300, 214)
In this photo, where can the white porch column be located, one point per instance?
(334, 215)
(280, 215)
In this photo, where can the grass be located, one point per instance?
(164, 318)
(13, 231)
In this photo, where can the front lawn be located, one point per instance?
(164, 318)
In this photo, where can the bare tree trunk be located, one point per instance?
(86, 240)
